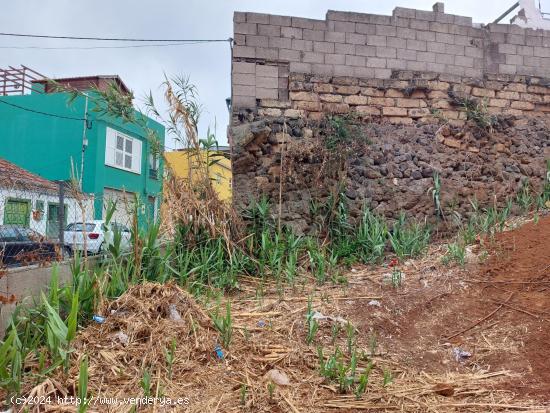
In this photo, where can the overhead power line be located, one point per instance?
(99, 47)
(54, 115)
(114, 39)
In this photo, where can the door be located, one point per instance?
(52, 223)
(123, 213)
(17, 212)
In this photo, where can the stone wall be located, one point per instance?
(292, 75)
(268, 48)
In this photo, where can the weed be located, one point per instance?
(311, 324)
(456, 251)
(145, 383)
(476, 110)
(371, 237)
(524, 197)
(388, 378)
(373, 344)
(363, 381)
(334, 332)
(271, 389)
(224, 324)
(170, 356)
(396, 277)
(243, 392)
(435, 190)
(350, 336)
(409, 239)
(83, 386)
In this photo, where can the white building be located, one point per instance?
(31, 201)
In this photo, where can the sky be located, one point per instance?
(143, 69)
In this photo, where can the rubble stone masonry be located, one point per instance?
(408, 73)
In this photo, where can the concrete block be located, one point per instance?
(387, 52)
(446, 59)
(404, 12)
(244, 90)
(244, 67)
(239, 39)
(344, 70)
(406, 54)
(376, 62)
(267, 82)
(514, 59)
(445, 38)
(386, 30)
(348, 27)
(245, 28)
(425, 57)
(404, 33)
(416, 66)
(239, 17)
(267, 53)
(464, 61)
(269, 30)
(244, 51)
(344, 48)
(323, 47)
(265, 93)
(455, 49)
(260, 41)
(533, 41)
(525, 50)
(302, 23)
(247, 79)
(463, 40)
(425, 15)
(335, 59)
(243, 101)
(396, 64)
(419, 45)
(382, 73)
(313, 57)
(436, 47)
(541, 51)
(292, 32)
(299, 67)
(460, 30)
(439, 27)
(365, 28)
(365, 50)
(419, 25)
(427, 36)
(280, 20)
(280, 42)
(378, 19)
(355, 38)
(315, 35)
(302, 45)
(396, 42)
(257, 18)
(507, 69)
(376, 40)
(455, 70)
(444, 18)
(518, 39)
(338, 15)
(475, 52)
(335, 37)
(289, 55)
(355, 60)
(435, 67)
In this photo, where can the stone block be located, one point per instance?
(397, 120)
(367, 110)
(266, 93)
(307, 106)
(267, 82)
(247, 79)
(410, 103)
(521, 105)
(339, 108)
(393, 111)
(304, 96)
(329, 98)
(356, 100)
(294, 113)
(378, 101)
(244, 90)
(347, 89)
(418, 112)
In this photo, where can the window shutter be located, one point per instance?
(110, 145)
(136, 156)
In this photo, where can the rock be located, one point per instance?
(452, 143)
(277, 377)
(416, 174)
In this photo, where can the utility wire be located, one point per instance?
(98, 47)
(54, 115)
(114, 39)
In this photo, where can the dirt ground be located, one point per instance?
(455, 340)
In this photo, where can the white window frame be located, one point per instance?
(112, 150)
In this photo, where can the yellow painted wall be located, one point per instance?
(220, 172)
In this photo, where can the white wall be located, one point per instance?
(74, 212)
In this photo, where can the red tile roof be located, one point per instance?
(14, 177)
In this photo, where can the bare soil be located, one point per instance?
(497, 309)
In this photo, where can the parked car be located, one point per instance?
(97, 234)
(23, 246)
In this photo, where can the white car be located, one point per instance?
(97, 234)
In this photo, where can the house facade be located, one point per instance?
(219, 169)
(30, 201)
(43, 132)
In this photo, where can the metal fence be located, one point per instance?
(42, 225)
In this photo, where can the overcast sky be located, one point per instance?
(142, 69)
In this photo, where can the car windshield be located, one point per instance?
(79, 227)
(8, 234)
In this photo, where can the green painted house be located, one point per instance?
(45, 134)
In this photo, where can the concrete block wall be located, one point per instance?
(268, 47)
